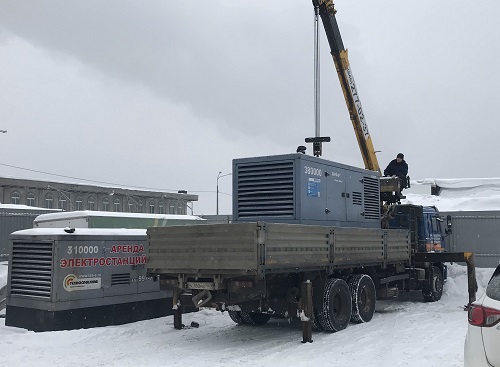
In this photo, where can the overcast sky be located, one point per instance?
(164, 94)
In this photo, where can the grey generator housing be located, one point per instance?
(301, 189)
(62, 280)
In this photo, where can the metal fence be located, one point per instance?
(477, 232)
(12, 220)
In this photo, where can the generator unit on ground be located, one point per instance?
(79, 278)
(301, 189)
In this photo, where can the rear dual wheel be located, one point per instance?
(363, 296)
(335, 311)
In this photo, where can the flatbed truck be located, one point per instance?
(255, 267)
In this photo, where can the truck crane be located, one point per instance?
(327, 12)
(390, 188)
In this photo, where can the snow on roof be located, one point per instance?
(22, 207)
(451, 204)
(459, 183)
(90, 213)
(459, 194)
(82, 232)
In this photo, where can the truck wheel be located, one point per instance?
(254, 318)
(363, 298)
(336, 307)
(236, 317)
(434, 291)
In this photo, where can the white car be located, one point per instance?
(482, 343)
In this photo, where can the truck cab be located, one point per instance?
(424, 224)
(430, 230)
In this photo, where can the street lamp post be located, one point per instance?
(137, 201)
(71, 207)
(220, 175)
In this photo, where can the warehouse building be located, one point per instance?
(70, 196)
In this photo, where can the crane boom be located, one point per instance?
(339, 53)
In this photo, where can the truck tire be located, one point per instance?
(337, 306)
(363, 297)
(236, 317)
(434, 291)
(254, 318)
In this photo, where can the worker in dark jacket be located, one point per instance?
(397, 168)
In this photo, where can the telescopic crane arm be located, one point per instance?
(339, 53)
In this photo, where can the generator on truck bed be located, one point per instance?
(254, 268)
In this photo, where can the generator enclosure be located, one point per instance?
(80, 278)
(301, 189)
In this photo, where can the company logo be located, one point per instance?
(73, 283)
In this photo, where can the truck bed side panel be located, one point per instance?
(291, 245)
(255, 248)
(187, 249)
(354, 246)
(398, 245)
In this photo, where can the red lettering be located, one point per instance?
(71, 263)
(125, 261)
(143, 259)
(95, 261)
(113, 249)
(108, 261)
(119, 262)
(78, 262)
(136, 249)
(63, 263)
(141, 248)
(102, 261)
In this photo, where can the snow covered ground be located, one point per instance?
(406, 332)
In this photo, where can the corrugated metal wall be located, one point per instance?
(12, 220)
(478, 232)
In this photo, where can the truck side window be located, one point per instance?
(429, 226)
(435, 226)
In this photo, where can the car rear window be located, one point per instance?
(493, 288)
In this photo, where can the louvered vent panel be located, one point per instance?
(371, 193)
(265, 189)
(120, 279)
(357, 198)
(31, 269)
